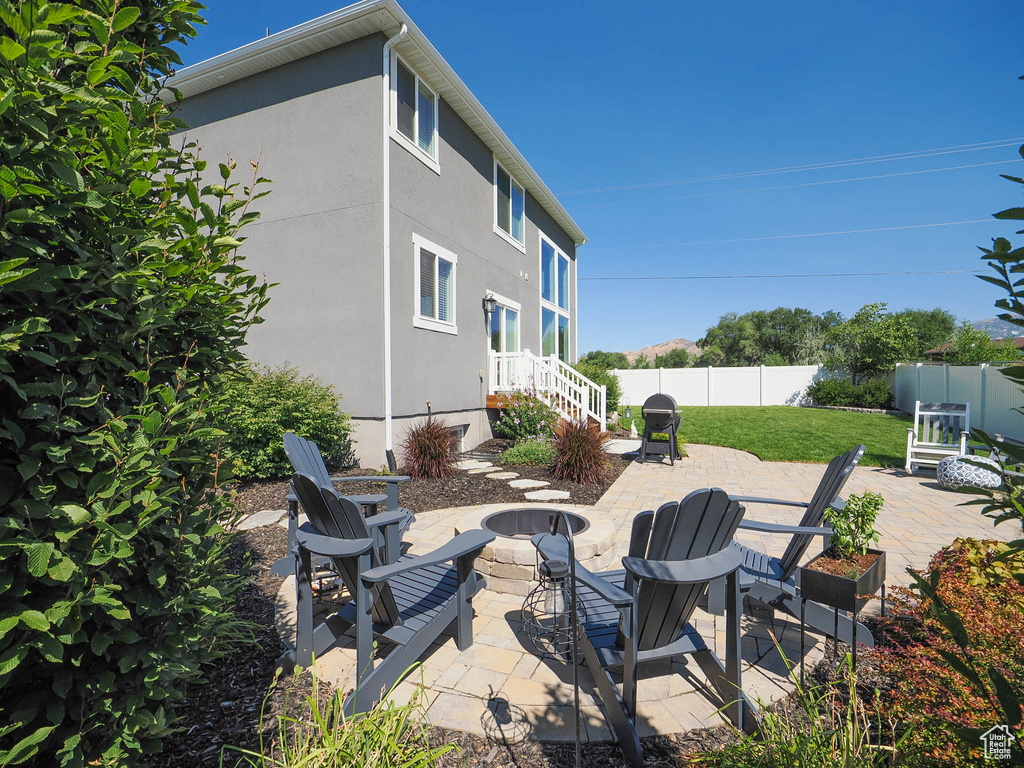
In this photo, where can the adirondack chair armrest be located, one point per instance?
(307, 537)
(557, 548)
(384, 519)
(699, 569)
(371, 479)
(758, 500)
(462, 545)
(755, 525)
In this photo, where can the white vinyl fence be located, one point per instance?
(992, 396)
(760, 385)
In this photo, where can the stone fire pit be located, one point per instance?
(510, 561)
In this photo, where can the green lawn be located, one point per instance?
(785, 433)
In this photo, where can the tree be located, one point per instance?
(870, 342)
(124, 305)
(931, 328)
(642, 362)
(970, 346)
(675, 358)
(775, 359)
(794, 335)
(606, 360)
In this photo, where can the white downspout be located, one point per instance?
(385, 223)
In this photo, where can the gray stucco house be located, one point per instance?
(418, 256)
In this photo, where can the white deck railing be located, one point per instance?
(565, 389)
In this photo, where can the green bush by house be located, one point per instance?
(124, 303)
(600, 376)
(261, 404)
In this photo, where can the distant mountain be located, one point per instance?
(999, 329)
(667, 346)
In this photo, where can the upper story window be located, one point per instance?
(414, 113)
(435, 268)
(509, 210)
(554, 305)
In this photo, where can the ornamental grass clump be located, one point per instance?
(124, 304)
(579, 452)
(429, 449)
(390, 735)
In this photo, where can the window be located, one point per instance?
(414, 113)
(509, 208)
(554, 294)
(505, 329)
(435, 269)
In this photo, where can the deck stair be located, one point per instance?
(569, 393)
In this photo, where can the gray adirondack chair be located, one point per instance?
(642, 613)
(771, 582)
(940, 430)
(408, 604)
(387, 527)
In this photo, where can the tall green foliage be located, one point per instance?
(123, 302)
(871, 342)
(969, 345)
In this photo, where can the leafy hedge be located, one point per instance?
(873, 393)
(123, 303)
(261, 404)
(599, 376)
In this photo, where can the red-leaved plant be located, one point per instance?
(579, 452)
(935, 699)
(429, 449)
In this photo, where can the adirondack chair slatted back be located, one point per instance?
(941, 423)
(339, 517)
(828, 490)
(305, 457)
(701, 524)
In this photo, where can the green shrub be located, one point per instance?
(532, 450)
(853, 526)
(579, 452)
(123, 303)
(429, 449)
(599, 376)
(391, 735)
(873, 393)
(522, 414)
(955, 654)
(264, 403)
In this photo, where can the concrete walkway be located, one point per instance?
(498, 688)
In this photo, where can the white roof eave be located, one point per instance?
(350, 23)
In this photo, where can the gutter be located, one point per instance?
(385, 221)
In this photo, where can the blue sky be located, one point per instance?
(652, 96)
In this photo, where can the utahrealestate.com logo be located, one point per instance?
(997, 741)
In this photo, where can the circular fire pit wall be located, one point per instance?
(509, 563)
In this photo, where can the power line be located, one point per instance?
(977, 147)
(811, 274)
(788, 237)
(793, 186)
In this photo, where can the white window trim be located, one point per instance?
(553, 306)
(428, 323)
(515, 306)
(520, 246)
(433, 163)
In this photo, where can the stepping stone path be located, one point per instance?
(525, 483)
(472, 464)
(259, 519)
(546, 495)
(503, 475)
(483, 470)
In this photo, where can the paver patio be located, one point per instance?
(499, 688)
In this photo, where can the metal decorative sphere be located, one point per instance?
(547, 616)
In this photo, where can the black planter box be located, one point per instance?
(839, 592)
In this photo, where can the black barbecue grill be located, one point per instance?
(660, 418)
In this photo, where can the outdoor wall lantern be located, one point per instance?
(490, 304)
